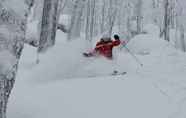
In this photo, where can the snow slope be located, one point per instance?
(64, 84)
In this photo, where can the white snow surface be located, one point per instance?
(66, 85)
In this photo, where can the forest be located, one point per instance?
(42, 43)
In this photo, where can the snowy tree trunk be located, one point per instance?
(166, 21)
(129, 15)
(6, 85)
(90, 19)
(48, 25)
(129, 35)
(37, 10)
(173, 5)
(183, 44)
(61, 6)
(124, 19)
(112, 16)
(102, 17)
(12, 42)
(139, 16)
(75, 27)
(154, 4)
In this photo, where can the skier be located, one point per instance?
(104, 47)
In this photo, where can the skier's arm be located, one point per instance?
(116, 42)
(98, 46)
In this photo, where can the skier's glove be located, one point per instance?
(123, 43)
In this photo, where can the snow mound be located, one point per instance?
(144, 44)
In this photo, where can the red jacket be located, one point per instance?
(105, 48)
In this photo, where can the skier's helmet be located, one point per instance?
(106, 37)
(116, 36)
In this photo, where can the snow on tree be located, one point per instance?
(48, 25)
(166, 29)
(124, 19)
(13, 20)
(75, 26)
(182, 38)
(139, 16)
(90, 19)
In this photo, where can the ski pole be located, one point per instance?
(137, 60)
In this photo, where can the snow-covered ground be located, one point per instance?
(66, 85)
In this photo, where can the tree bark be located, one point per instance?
(75, 26)
(166, 21)
(90, 19)
(139, 16)
(183, 44)
(16, 26)
(48, 25)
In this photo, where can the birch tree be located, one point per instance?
(90, 20)
(125, 20)
(12, 35)
(173, 5)
(103, 10)
(61, 7)
(75, 26)
(166, 29)
(112, 14)
(48, 25)
(182, 38)
(139, 16)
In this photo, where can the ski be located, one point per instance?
(89, 54)
(115, 73)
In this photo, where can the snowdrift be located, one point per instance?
(150, 43)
